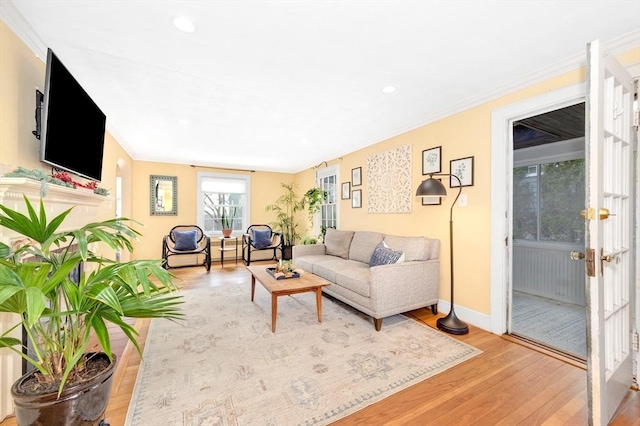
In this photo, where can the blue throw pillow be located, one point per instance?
(383, 255)
(261, 238)
(185, 240)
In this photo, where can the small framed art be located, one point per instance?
(463, 169)
(356, 198)
(432, 160)
(356, 176)
(346, 190)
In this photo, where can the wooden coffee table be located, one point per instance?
(307, 282)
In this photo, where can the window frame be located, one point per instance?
(322, 174)
(246, 215)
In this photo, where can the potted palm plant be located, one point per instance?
(71, 382)
(286, 206)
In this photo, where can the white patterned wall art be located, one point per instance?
(389, 184)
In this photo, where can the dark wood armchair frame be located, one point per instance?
(248, 247)
(204, 247)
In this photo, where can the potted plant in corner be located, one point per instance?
(286, 206)
(60, 313)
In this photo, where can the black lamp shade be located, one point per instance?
(431, 188)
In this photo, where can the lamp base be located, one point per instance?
(452, 324)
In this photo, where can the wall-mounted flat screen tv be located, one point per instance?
(73, 126)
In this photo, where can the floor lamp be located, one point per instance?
(434, 188)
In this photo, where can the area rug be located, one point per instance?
(555, 324)
(224, 366)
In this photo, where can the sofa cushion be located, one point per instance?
(363, 244)
(338, 242)
(383, 255)
(185, 240)
(414, 248)
(307, 262)
(327, 269)
(355, 277)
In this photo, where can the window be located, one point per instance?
(218, 194)
(327, 180)
(547, 200)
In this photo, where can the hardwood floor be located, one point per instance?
(508, 384)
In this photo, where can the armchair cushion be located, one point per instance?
(185, 240)
(261, 238)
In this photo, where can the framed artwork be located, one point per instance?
(164, 195)
(356, 198)
(356, 176)
(346, 190)
(432, 160)
(463, 169)
(432, 201)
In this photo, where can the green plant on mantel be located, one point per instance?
(41, 176)
(60, 314)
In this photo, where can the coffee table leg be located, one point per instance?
(319, 303)
(253, 286)
(274, 312)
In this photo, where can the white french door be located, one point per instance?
(609, 192)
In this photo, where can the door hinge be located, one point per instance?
(635, 342)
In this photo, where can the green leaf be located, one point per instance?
(36, 301)
(8, 342)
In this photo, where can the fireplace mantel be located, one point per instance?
(12, 189)
(56, 199)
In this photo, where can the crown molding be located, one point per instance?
(11, 16)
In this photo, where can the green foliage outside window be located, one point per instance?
(547, 200)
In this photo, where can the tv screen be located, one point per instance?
(72, 124)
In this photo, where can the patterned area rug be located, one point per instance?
(226, 367)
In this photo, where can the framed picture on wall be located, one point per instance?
(346, 190)
(463, 169)
(432, 160)
(356, 176)
(356, 198)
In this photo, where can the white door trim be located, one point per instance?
(501, 172)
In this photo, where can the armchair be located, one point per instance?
(186, 240)
(261, 237)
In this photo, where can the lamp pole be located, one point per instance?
(451, 323)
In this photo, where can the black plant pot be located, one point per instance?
(287, 252)
(81, 405)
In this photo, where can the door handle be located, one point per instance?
(576, 255)
(607, 258)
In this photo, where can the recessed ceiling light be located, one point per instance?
(389, 89)
(184, 24)
(183, 121)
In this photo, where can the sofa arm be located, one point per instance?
(401, 287)
(308, 250)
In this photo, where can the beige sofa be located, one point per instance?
(381, 290)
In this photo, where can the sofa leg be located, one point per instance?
(434, 308)
(378, 323)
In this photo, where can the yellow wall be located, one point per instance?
(265, 188)
(461, 135)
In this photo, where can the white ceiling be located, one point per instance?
(285, 85)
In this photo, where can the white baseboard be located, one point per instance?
(475, 318)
